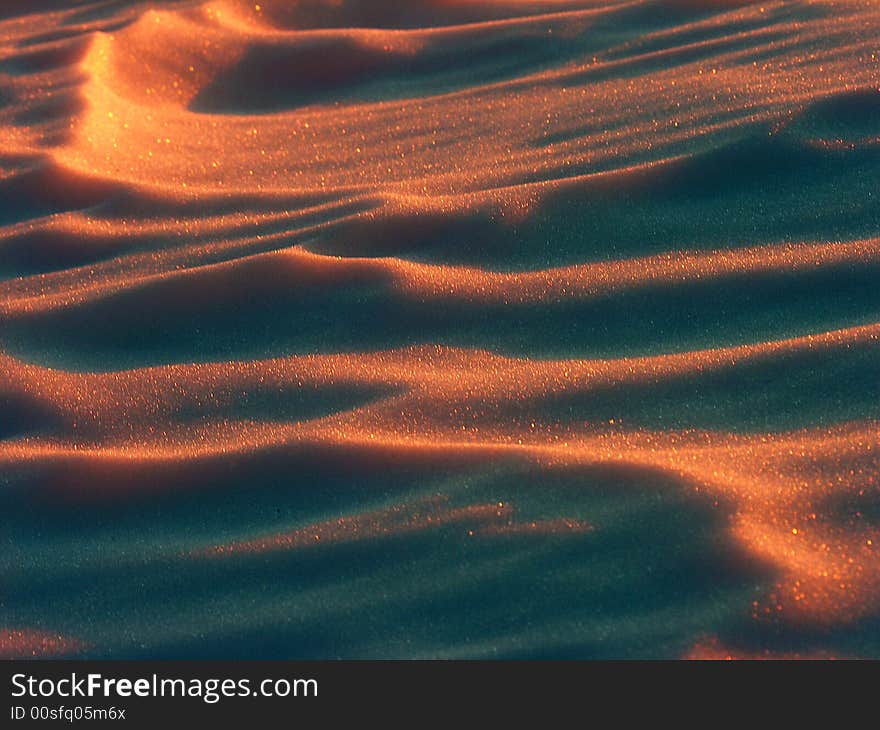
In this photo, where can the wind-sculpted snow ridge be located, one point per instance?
(449, 328)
